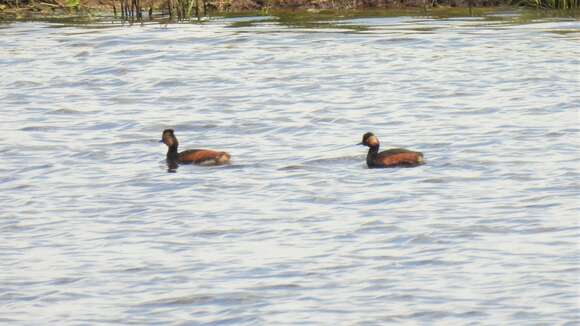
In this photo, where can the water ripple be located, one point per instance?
(297, 230)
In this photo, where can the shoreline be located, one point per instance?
(301, 9)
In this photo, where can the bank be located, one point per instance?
(187, 9)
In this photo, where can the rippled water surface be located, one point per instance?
(297, 230)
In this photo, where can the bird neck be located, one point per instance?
(373, 151)
(172, 152)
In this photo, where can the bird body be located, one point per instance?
(391, 157)
(191, 156)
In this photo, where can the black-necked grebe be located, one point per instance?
(192, 156)
(391, 157)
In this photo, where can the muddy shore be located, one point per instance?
(22, 9)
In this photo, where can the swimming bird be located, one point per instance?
(192, 156)
(391, 157)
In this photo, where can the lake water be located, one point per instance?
(297, 230)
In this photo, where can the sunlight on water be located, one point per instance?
(297, 229)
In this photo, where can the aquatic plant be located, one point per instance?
(175, 9)
(551, 4)
(186, 9)
(130, 9)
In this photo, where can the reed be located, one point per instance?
(551, 4)
(187, 9)
(179, 10)
(129, 9)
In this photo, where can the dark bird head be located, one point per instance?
(168, 138)
(369, 139)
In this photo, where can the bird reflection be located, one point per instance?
(172, 166)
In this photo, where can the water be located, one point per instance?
(297, 230)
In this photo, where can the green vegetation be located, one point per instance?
(73, 3)
(184, 9)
